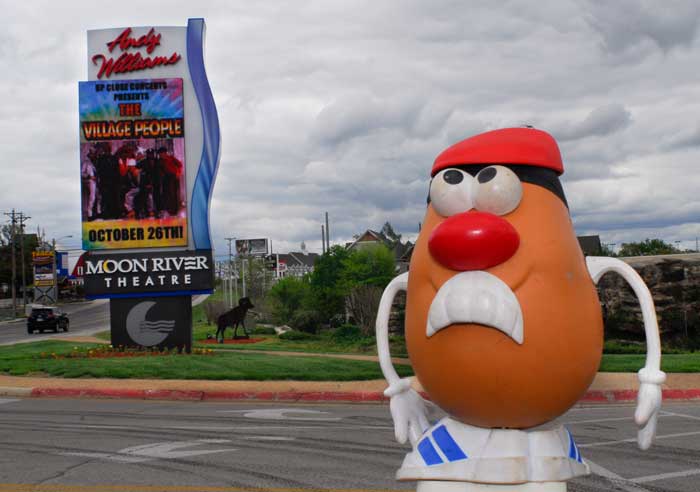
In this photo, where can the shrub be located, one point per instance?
(297, 335)
(264, 330)
(306, 321)
(287, 297)
(623, 347)
(347, 333)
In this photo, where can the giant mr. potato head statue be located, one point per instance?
(503, 323)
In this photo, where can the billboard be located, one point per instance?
(43, 268)
(149, 78)
(148, 273)
(251, 247)
(132, 158)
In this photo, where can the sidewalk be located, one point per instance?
(606, 388)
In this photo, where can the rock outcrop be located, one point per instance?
(674, 281)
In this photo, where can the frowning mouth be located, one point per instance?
(476, 297)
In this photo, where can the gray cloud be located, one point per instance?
(599, 122)
(626, 24)
(343, 106)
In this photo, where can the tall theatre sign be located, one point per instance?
(149, 151)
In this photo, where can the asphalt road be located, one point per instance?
(110, 445)
(86, 318)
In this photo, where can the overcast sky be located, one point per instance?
(342, 106)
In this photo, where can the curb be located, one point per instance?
(194, 395)
(14, 391)
(590, 397)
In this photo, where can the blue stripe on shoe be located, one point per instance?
(574, 453)
(427, 451)
(447, 445)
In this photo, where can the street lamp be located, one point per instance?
(55, 271)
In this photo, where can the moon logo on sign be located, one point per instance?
(147, 333)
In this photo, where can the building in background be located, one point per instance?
(295, 263)
(402, 251)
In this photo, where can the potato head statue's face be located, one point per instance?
(503, 322)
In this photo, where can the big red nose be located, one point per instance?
(473, 241)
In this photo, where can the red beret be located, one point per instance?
(506, 146)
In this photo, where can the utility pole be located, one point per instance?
(22, 219)
(328, 235)
(243, 274)
(13, 222)
(229, 290)
(323, 239)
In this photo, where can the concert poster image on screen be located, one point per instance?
(132, 164)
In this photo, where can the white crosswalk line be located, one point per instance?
(156, 451)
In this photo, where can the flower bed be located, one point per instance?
(107, 351)
(229, 341)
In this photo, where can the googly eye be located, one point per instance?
(451, 192)
(497, 190)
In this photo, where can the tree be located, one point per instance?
(287, 297)
(367, 272)
(648, 247)
(606, 250)
(327, 295)
(369, 265)
(390, 234)
(6, 234)
(30, 244)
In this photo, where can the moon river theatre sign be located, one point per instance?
(149, 152)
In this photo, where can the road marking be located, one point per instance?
(621, 441)
(95, 426)
(630, 418)
(281, 414)
(220, 428)
(594, 421)
(616, 479)
(156, 451)
(7, 400)
(9, 487)
(663, 476)
(268, 438)
(21, 487)
(683, 415)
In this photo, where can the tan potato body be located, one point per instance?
(481, 376)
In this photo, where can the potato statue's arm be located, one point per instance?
(407, 407)
(650, 376)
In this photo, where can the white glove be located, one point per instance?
(408, 411)
(648, 405)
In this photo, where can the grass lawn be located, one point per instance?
(26, 359)
(633, 363)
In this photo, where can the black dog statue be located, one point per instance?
(233, 318)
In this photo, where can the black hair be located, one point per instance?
(540, 176)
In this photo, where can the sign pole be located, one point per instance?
(55, 277)
(14, 267)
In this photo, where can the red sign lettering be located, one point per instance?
(132, 62)
(151, 40)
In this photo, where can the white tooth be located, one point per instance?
(437, 316)
(476, 297)
(458, 305)
(518, 330)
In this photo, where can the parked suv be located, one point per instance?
(47, 318)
